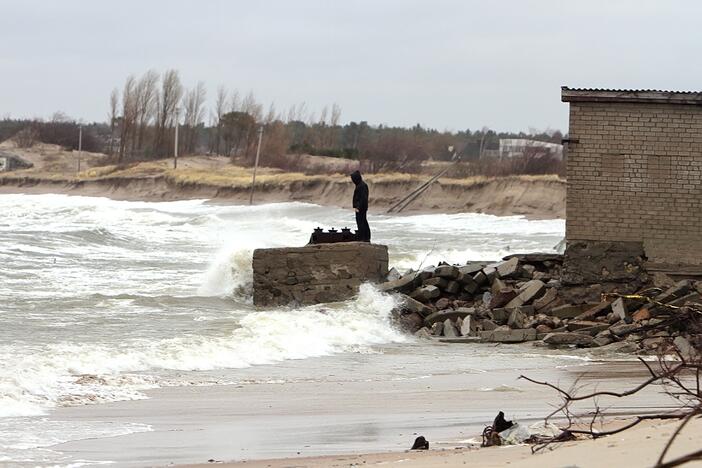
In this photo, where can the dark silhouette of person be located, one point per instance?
(360, 206)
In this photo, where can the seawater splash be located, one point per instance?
(71, 373)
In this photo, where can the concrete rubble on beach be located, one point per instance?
(553, 300)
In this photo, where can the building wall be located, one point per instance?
(636, 175)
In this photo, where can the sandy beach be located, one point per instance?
(350, 416)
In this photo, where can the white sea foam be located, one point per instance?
(71, 373)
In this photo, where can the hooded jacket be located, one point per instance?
(360, 194)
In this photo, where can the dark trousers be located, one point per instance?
(363, 227)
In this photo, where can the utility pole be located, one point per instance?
(258, 153)
(175, 146)
(80, 144)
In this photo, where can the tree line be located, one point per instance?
(142, 115)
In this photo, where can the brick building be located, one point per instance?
(634, 166)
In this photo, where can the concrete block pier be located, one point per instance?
(316, 273)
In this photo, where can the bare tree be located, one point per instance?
(129, 111)
(113, 116)
(171, 94)
(193, 103)
(220, 105)
(146, 96)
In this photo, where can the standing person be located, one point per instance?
(360, 206)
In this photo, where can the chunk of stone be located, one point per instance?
(450, 330)
(437, 328)
(443, 303)
(621, 328)
(414, 306)
(471, 268)
(480, 278)
(569, 311)
(486, 325)
(405, 284)
(453, 287)
(411, 322)
(619, 307)
(679, 289)
(447, 271)
(450, 314)
(497, 286)
(549, 296)
(502, 298)
(531, 290)
(393, 275)
(509, 268)
(469, 326)
(425, 293)
(641, 314)
(423, 333)
(575, 325)
(543, 329)
(499, 315)
(490, 272)
(469, 285)
(440, 283)
(600, 309)
(528, 271)
(517, 319)
(688, 352)
(602, 340)
(570, 339)
(654, 343)
(508, 336)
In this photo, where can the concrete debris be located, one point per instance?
(524, 298)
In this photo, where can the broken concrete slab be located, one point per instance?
(469, 326)
(502, 298)
(531, 290)
(453, 287)
(448, 314)
(447, 271)
(508, 268)
(425, 293)
(508, 336)
(600, 309)
(414, 306)
(548, 297)
(405, 284)
(568, 339)
(440, 283)
(569, 311)
(450, 330)
(517, 319)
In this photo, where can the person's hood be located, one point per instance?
(356, 177)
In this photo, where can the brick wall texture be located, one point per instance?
(636, 175)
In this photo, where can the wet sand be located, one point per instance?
(337, 416)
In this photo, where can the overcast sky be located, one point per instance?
(444, 64)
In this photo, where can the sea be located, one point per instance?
(103, 300)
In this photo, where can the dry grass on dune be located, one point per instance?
(218, 172)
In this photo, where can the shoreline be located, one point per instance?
(253, 424)
(639, 446)
(532, 197)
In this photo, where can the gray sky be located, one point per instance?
(444, 64)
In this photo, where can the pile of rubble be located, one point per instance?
(523, 299)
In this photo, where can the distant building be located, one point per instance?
(518, 147)
(635, 171)
(12, 162)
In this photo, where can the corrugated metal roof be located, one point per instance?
(655, 96)
(615, 90)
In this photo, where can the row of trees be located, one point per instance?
(143, 113)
